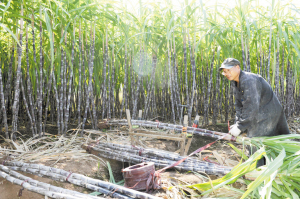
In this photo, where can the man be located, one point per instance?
(258, 111)
(257, 108)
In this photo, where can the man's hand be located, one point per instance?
(234, 130)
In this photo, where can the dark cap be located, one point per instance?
(229, 63)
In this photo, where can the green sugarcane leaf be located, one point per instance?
(266, 191)
(95, 193)
(272, 167)
(50, 37)
(10, 32)
(287, 186)
(238, 171)
(241, 153)
(111, 175)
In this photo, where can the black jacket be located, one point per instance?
(257, 108)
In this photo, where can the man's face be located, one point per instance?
(232, 73)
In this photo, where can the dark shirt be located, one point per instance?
(258, 110)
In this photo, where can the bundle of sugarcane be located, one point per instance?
(58, 177)
(41, 187)
(177, 128)
(160, 162)
(153, 153)
(107, 188)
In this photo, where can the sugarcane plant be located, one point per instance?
(82, 61)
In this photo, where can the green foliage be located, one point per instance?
(279, 178)
(154, 27)
(111, 175)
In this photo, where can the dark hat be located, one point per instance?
(229, 63)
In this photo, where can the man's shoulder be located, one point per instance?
(249, 75)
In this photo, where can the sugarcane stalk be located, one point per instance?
(7, 93)
(91, 77)
(194, 82)
(138, 81)
(70, 81)
(205, 120)
(163, 93)
(248, 57)
(65, 76)
(40, 98)
(152, 96)
(231, 100)
(133, 83)
(277, 70)
(261, 61)
(48, 92)
(29, 87)
(79, 76)
(57, 104)
(282, 80)
(185, 68)
(176, 89)
(61, 90)
(226, 101)
(149, 88)
(18, 73)
(243, 52)
(173, 81)
(124, 98)
(220, 103)
(269, 56)
(113, 82)
(109, 91)
(170, 84)
(27, 109)
(3, 109)
(288, 90)
(87, 101)
(104, 95)
(203, 89)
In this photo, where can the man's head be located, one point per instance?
(230, 68)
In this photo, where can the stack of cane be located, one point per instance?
(176, 128)
(112, 190)
(161, 159)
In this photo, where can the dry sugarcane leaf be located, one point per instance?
(231, 163)
(220, 159)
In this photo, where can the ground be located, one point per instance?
(217, 153)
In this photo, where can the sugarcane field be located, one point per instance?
(150, 99)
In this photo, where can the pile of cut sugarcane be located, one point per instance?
(161, 159)
(176, 128)
(116, 191)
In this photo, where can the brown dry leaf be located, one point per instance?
(231, 163)
(219, 158)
